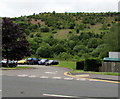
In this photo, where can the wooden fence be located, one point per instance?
(110, 67)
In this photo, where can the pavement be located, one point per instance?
(96, 76)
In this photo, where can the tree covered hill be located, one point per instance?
(69, 35)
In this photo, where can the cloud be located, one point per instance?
(15, 8)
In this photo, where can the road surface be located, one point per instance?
(50, 81)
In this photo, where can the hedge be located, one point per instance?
(80, 65)
(92, 65)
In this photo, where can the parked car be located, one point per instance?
(51, 62)
(10, 63)
(22, 61)
(42, 61)
(32, 61)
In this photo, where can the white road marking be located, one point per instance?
(32, 76)
(56, 77)
(68, 78)
(53, 95)
(0, 90)
(22, 75)
(43, 77)
(92, 80)
(50, 72)
(81, 79)
(77, 79)
(82, 75)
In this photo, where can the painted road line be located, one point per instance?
(68, 78)
(83, 75)
(81, 79)
(22, 75)
(54, 95)
(32, 76)
(0, 90)
(56, 77)
(92, 80)
(44, 77)
(70, 75)
(50, 72)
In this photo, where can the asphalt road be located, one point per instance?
(51, 82)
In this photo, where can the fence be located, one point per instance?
(110, 67)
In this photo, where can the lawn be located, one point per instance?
(67, 64)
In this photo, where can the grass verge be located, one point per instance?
(67, 64)
(72, 65)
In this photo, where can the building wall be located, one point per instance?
(114, 54)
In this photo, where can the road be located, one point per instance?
(50, 81)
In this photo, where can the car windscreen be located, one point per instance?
(29, 58)
(35, 59)
(43, 60)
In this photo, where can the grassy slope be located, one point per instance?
(62, 34)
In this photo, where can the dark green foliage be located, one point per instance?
(86, 34)
(38, 35)
(72, 25)
(77, 30)
(44, 29)
(94, 42)
(92, 65)
(51, 41)
(80, 65)
(101, 51)
(112, 39)
(44, 51)
(58, 48)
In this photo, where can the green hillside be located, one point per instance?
(71, 36)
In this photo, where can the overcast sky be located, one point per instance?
(16, 8)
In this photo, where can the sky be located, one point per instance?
(17, 8)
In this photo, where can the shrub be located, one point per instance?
(92, 65)
(44, 29)
(80, 65)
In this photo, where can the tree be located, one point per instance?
(112, 39)
(94, 42)
(101, 51)
(44, 29)
(14, 43)
(44, 51)
(58, 48)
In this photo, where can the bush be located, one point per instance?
(92, 65)
(80, 65)
(44, 29)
